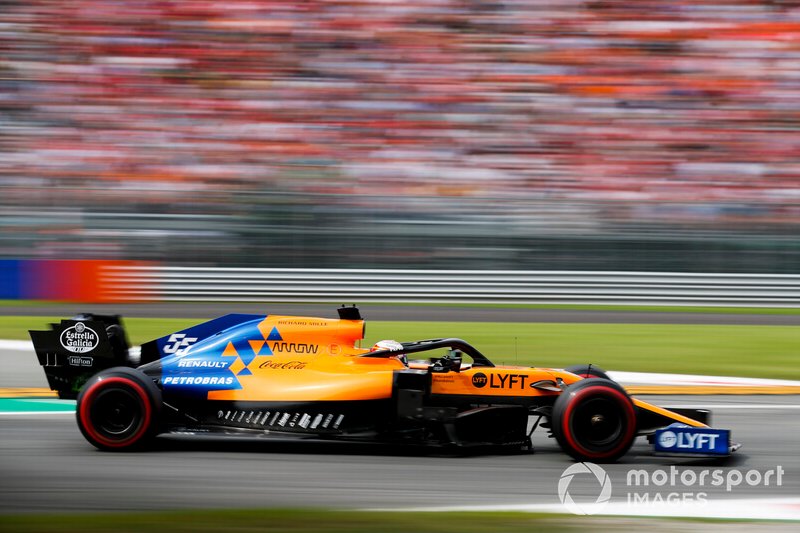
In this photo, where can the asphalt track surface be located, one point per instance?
(46, 465)
(433, 313)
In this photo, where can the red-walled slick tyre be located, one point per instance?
(118, 409)
(588, 371)
(594, 420)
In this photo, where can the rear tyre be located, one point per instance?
(594, 420)
(118, 409)
(588, 371)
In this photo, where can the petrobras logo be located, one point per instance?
(200, 373)
(203, 381)
(79, 338)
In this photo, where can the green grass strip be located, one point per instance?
(324, 521)
(749, 351)
(725, 350)
(279, 520)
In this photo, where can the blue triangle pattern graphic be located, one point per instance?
(245, 351)
(274, 335)
(245, 372)
(265, 350)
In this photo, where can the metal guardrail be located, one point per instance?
(164, 283)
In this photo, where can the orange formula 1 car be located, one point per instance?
(304, 377)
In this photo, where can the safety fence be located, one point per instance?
(166, 283)
(117, 281)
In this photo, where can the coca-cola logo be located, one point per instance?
(79, 338)
(283, 365)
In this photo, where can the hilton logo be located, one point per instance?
(76, 360)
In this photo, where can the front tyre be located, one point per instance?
(118, 409)
(588, 371)
(594, 420)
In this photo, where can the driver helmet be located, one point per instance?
(393, 346)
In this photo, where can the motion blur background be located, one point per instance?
(522, 134)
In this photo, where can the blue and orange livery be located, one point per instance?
(307, 377)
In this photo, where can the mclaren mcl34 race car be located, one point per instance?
(304, 377)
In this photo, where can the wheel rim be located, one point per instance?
(598, 423)
(116, 413)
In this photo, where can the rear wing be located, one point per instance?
(77, 348)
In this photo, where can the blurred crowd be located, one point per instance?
(616, 113)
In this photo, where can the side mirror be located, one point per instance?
(449, 363)
(455, 362)
(440, 367)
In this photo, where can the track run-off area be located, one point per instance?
(48, 466)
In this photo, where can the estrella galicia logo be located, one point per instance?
(479, 380)
(79, 338)
(582, 508)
